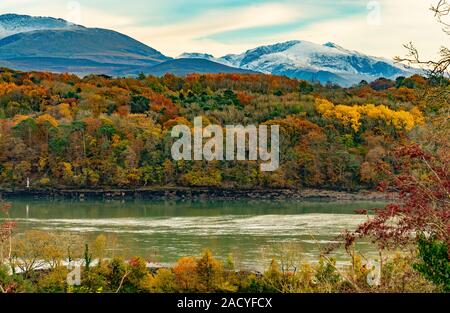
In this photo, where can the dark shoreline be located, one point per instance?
(180, 193)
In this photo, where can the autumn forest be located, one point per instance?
(63, 131)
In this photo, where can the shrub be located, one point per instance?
(326, 277)
(209, 272)
(96, 278)
(139, 278)
(117, 274)
(434, 262)
(164, 281)
(399, 275)
(54, 281)
(185, 274)
(14, 283)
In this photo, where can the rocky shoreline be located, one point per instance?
(178, 193)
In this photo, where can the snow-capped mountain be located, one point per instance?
(47, 44)
(310, 61)
(11, 24)
(51, 44)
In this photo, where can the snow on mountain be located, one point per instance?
(11, 24)
(307, 60)
(251, 57)
(45, 43)
(49, 44)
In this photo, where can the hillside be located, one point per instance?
(63, 131)
(182, 67)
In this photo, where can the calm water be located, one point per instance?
(163, 231)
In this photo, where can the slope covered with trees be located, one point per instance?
(63, 131)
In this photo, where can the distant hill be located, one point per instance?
(80, 67)
(182, 67)
(49, 44)
(69, 47)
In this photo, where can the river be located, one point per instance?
(162, 231)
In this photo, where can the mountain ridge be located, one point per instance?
(11, 24)
(303, 59)
(184, 66)
(51, 44)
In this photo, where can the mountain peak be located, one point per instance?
(239, 60)
(278, 47)
(11, 24)
(311, 61)
(12, 18)
(331, 45)
(46, 43)
(338, 47)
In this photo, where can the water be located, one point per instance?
(163, 231)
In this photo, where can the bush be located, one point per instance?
(326, 277)
(398, 275)
(209, 272)
(434, 262)
(54, 281)
(96, 278)
(164, 281)
(139, 278)
(116, 274)
(185, 274)
(139, 104)
(14, 283)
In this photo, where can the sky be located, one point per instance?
(378, 28)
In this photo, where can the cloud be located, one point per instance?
(380, 31)
(73, 11)
(398, 22)
(191, 35)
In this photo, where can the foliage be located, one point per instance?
(421, 215)
(434, 262)
(352, 116)
(287, 273)
(59, 130)
(39, 249)
(423, 185)
(6, 230)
